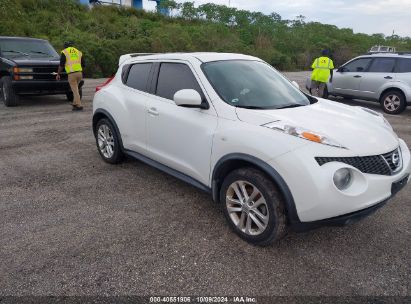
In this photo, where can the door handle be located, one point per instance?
(153, 111)
(388, 77)
(357, 76)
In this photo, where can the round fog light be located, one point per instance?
(342, 178)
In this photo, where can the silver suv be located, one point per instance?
(385, 78)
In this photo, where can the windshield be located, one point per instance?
(25, 48)
(252, 84)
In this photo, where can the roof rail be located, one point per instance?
(390, 53)
(125, 57)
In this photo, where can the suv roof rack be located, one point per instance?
(390, 53)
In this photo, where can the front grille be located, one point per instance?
(376, 164)
(47, 72)
(44, 72)
(45, 69)
(390, 160)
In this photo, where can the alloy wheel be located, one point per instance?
(392, 102)
(105, 141)
(247, 208)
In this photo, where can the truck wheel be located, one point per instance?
(393, 102)
(70, 96)
(10, 98)
(253, 206)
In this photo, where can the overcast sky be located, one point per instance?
(364, 16)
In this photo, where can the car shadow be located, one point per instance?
(367, 104)
(357, 102)
(35, 101)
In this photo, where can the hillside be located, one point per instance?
(104, 33)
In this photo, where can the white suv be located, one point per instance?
(229, 124)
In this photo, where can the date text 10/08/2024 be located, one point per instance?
(238, 299)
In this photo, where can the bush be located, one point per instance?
(106, 32)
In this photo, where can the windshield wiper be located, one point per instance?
(294, 105)
(40, 52)
(17, 52)
(250, 107)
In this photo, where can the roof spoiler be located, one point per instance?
(124, 58)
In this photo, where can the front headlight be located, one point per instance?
(303, 133)
(24, 70)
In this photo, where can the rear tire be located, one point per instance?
(108, 142)
(9, 97)
(393, 102)
(325, 93)
(253, 206)
(70, 96)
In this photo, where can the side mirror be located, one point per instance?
(188, 98)
(295, 84)
(341, 69)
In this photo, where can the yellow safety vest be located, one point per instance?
(322, 67)
(73, 60)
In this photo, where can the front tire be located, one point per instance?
(393, 102)
(108, 143)
(10, 98)
(253, 206)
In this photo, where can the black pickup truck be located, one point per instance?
(28, 66)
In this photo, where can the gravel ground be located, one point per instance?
(74, 225)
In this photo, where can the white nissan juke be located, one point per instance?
(274, 157)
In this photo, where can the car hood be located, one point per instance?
(33, 61)
(359, 131)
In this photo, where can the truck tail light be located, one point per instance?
(98, 88)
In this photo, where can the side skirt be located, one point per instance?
(168, 170)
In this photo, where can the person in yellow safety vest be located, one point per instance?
(322, 73)
(72, 61)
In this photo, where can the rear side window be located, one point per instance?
(138, 76)
(382, 65)
(358, 65)
(404, 65)
(174, 77)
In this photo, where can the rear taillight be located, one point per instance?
(98, 88)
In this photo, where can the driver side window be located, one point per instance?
(358, 65)
(174, 77)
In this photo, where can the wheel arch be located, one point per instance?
(235, 161)
(391, 89)
(4, 73)
(100, 114)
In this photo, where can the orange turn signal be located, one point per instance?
(311, 136)
(15, 72)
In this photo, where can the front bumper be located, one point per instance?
(41, 87)
(316, 198)
(350, 218)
